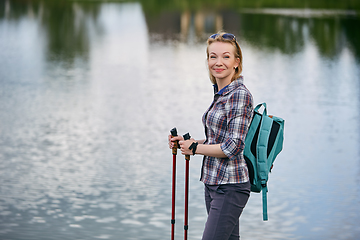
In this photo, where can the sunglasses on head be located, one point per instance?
(227, 36)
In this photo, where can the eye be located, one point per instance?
(212, 57)
(226, 56)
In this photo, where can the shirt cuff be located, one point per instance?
(231, 148)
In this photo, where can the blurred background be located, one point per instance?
(89, 91)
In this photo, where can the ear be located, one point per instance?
(237, 62)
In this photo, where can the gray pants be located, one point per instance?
(224, 204)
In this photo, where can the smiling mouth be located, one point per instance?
(219, 70)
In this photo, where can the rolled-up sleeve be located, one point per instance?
(239, 108)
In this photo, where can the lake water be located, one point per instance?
(89, 92)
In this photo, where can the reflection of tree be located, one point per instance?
(288, 34)
(327, 35)
(155, 7)
(66, 30)
(271, 31)
(285, 33)
(278, 32)
(15, 10)
(350, 27)
(66, 24)
(177, 26)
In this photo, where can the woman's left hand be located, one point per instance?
(184, 146)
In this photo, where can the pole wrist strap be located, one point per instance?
(193, 147)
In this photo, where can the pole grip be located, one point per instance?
(187, 136)
(173, 133)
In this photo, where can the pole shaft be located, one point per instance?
(173, 199)
(187, 160)
(186, 199)
(174, 152)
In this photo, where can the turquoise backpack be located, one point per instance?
(263, 142)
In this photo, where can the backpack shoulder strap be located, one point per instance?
(264, 201)
(261, 152)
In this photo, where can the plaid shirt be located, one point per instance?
(226, 122)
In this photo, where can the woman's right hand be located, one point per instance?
(174, 139)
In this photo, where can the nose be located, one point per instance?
(218, 62)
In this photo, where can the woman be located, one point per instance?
(224, 170)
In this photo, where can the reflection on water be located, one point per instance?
(89, 92)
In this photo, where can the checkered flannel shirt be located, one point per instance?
(226, 122)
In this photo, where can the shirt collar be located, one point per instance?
(216, 89)
(234, 84)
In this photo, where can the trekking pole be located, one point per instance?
(174, 152)
(187, 158)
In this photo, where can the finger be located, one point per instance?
(177, 138)
(172, 139)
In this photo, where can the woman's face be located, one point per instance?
(222, 61)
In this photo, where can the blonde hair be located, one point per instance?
(238, 54)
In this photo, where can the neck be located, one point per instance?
(221, 83)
